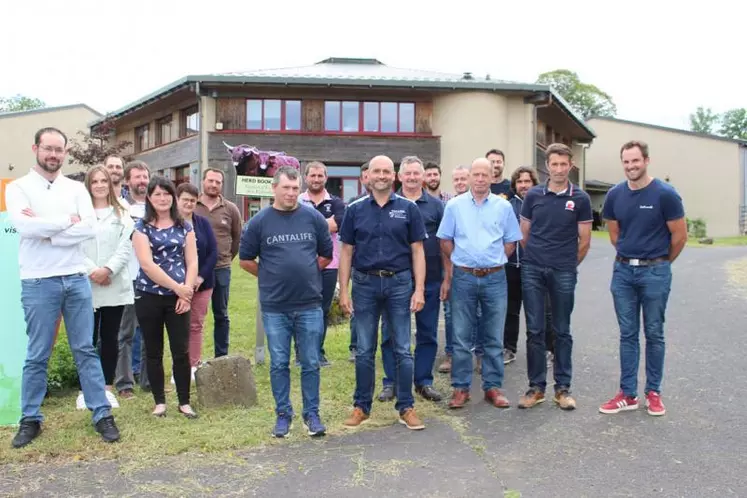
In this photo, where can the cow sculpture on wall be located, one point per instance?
(250, 161)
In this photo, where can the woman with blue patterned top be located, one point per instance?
(166, 249)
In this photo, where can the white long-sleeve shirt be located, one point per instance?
(50, 244)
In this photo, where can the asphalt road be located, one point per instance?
(697, 449)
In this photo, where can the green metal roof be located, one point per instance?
(336, 71)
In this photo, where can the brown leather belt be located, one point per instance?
(641, 262)
(480, 272)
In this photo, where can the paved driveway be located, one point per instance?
(697, 449)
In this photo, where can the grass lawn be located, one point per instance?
(691, 242)
(69, 435)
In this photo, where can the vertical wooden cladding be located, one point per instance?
(423, 116)
(232, 113)
(312, 115)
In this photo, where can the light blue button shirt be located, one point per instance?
(479, 230)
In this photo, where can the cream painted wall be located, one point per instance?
(471, 123)
(17, 136)
(706, 172)
(207, 124)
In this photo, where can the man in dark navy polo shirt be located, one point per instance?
(646, 222)
(556, 223)
(412, 174)
(332, 208)
(500, 186)
(388, 270)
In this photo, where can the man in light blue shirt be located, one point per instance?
(478, 233)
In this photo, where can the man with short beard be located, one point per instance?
(226, 221)
(137, 176)
(646, 221)
(115, 166)
(332, 208)
(53, 216)
(500, 186)
(433, 182)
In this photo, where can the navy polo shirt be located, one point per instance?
(382, 235)
(553, 237)
(432, 210)
(642, 216)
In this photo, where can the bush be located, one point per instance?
(696, 228)
(62, 373)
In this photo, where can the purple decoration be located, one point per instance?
(250, 161)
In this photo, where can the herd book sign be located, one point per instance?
(255, 169)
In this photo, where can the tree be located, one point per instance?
(734, 124)
(584, 98)
(94, 147)
(20, 103)
(703, 120)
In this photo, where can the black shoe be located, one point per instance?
(108, 429)
(27, 432)
(429, 393)
(324, 362)
(387, 394)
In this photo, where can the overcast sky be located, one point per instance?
(656, 58)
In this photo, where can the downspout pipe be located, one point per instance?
(200, 121)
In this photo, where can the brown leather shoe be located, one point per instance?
(445, 366)
(356, 418)
(495, 397)
(532, 397)
(564, 400)
(459, 398)
(411, 420)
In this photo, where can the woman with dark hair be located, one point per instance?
(107, 256)
(207, 255)
(167, 252)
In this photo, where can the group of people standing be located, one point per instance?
(116, 266)
(497, 245)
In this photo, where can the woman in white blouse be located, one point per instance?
(107, 257)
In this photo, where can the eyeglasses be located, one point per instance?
(48, 149)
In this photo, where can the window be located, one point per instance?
(141, 138)
(190, 121)
(181, 175)
(163, 130)
(369, 117)
(273, 115)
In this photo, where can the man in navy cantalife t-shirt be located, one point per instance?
(646, 223)
(556, 222)
(293, 245)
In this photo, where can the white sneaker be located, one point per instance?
(172, 380)
(112, 399)
(194, 369)
(80, 402)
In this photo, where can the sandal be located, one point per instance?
(159, 412)
(189, 412)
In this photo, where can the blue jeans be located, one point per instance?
(426, 340)
(490, 294)
(449, 332)
(43, 299)
(220, 310)
(306, 326)
(329, 283)
(637, 289)
(537, 283)
(353, 334)
(372, 297)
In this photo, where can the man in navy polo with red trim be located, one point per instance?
(647, 227)
(388, 271)
(556, 223)
(412, 174)
(332, 208)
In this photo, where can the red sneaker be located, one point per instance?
(619, 403)
(654, 404)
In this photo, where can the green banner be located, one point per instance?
(13, 335)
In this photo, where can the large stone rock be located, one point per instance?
(226, 381)
(706, 240)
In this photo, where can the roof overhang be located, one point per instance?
(435, 84)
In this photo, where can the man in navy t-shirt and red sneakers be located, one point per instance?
(293, 245)
(646, 222)
(556, 222)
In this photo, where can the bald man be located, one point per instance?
(388, 271)
(478, 233)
